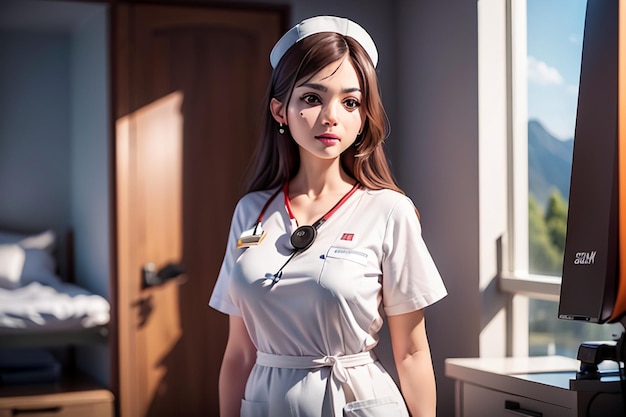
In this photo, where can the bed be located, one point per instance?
(37, 306)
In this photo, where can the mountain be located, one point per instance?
(549, 163)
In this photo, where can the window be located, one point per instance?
(554, 33)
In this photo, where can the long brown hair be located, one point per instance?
(276, 158)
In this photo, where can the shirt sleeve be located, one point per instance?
(411, 280)
(221, 299)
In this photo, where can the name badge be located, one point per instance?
(349, 254)
(251, 237)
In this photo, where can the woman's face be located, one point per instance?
(324, 113)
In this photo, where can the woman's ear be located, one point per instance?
(278, 111)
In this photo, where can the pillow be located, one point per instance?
(38, 261)
(12, 257)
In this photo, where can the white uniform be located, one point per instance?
(309, 325)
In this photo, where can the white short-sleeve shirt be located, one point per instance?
(369, 253)
(327, 301)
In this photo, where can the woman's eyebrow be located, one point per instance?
(322, 88)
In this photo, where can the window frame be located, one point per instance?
(514, 277)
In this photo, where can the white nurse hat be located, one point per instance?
(318, 24)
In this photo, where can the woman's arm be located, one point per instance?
(239, 358)
(411, 353)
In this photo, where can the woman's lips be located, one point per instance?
(328, 139)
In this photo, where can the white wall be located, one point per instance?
(492, 119)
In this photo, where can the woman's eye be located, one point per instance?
(352, 103)
(311, 99)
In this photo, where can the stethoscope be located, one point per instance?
(302, 238)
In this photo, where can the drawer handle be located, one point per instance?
(514, 407)
(47, 410)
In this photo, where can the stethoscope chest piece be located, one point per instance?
(303, 237)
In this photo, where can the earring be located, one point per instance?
(281, 129)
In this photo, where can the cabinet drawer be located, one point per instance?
(96, 403)
(481, 402)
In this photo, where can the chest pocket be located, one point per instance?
(343, 266)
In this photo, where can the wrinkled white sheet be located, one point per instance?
(62, 306)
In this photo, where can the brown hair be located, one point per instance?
(276, 159)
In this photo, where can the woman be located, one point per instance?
(323, 237)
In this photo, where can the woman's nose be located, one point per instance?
(330, 115)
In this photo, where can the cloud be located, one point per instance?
(541, 73)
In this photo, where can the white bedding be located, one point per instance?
(62, 306)
(33, 298)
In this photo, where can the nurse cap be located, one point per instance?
(320, 24)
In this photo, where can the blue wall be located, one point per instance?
(35, 131)
(54, 149)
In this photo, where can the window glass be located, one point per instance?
(554, 46)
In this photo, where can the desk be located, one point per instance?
(543, 386)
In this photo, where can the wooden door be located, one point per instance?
(189, 86)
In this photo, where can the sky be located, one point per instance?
(555, 32)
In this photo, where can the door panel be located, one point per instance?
(190, 83)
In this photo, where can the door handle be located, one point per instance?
(152, 278)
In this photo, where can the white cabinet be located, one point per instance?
(480, 402)
(532, 386)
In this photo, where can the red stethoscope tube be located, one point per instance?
(304, 236)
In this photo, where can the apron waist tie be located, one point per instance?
(338, 373)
